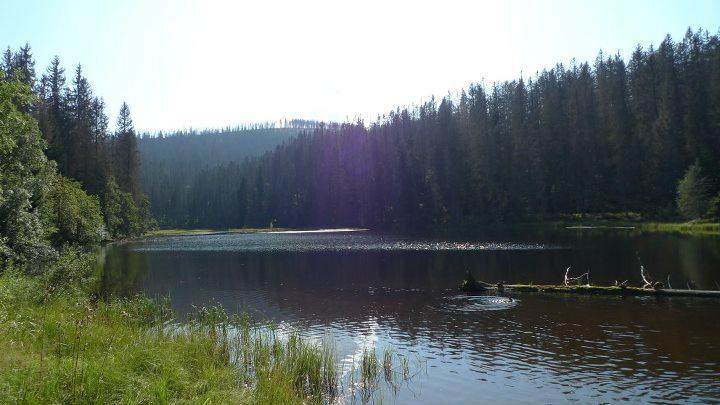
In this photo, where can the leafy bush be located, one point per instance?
(123, 217)
(74, 217)
(74, 273)
(24, 174)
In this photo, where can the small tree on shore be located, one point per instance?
(692, 193)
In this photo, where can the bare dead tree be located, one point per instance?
(576, 280)
(647, 280)
(565, 280)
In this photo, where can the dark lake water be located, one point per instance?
(371, 290)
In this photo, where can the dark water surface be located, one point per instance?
(365, 290)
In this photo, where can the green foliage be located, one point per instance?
(123, 217)
(73, 123)
(173, 163)
(38, 207)
(112, 208)
(74, 216)
(75, 273)
(130, 224)
(24, 175)
(714, 210)
(60, 344)
(148, 223)
(692, 227)
(692, 193)
(125, 154)
(612, 136)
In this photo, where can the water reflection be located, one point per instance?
(476, 348)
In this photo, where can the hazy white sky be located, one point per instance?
(217, 63)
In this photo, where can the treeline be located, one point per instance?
(172, 163)
(75, 129)
(294, 123)
(639, 136)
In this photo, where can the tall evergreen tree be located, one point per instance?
(54, 113)
(607, 137)
(75, 127)
(125, 154)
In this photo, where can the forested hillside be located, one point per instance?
(173, 163)
(76, 136)
(607, 136)
(63, 337)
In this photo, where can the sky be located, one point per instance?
(209, 64)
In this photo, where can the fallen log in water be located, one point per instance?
(471, 285)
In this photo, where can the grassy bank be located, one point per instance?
(576, 222)
(59, 343)
(710, 228)
(632, 221)
(700, 228)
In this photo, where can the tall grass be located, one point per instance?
(59, 343)
(368, 372)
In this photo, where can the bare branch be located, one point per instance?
(646, 280)
(575, 280)
(567, 271)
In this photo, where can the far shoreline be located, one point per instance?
(698, 228)
(210, 231)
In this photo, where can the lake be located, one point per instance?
(399, 292)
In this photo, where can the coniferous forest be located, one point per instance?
(611, 166)
(175, 164)
(623, 136)
(83, 154)
(615, 136)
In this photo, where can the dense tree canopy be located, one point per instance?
(612, 136)
(25, 174)
(693, 199)
(74, 127)
(641, 135)
(40, 210)
(171, 163)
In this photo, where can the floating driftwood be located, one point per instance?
(470, 284)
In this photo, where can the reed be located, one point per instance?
(59, 343)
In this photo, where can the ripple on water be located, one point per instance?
(549, 349)
(323, 241)
(478, 303)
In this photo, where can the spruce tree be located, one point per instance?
(54, 113)
(125, 156)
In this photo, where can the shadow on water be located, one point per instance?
(369, 290)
